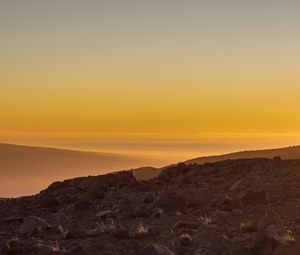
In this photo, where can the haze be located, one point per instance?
(167, 80)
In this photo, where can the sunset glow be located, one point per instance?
(162, 70)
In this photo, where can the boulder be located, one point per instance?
(254, 198)
(248, 226)
(48, 201)
(171, 203)
(237, 186)
(105, 214)
(173, 171)
(3, 245)
(155, 249)
(262, 244)
(82, 205)
(44, 248)
(18, 246)
(55, 186)
(76, 232)
(186, 239)
(34, 226)
(185, 225)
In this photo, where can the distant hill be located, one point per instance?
(27, 169)
(285, 153)
(292, 152)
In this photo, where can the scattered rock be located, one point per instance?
(99, 230)
(44, 248)
(281, 234)
(270, 218)
(76, 232)
(105, 214)
(254, 198)
(118, 231)
(186, 239)
(171, 203)
(3, 245)
(248, 226)
(142, 230)
(185, 225)
(82, 205)
(16, 218)
(263, 244)
(237, 186)
(48, 201)
(155, 249)
(233, 207)
(34, 226)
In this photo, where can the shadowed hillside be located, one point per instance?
(232, 207)
(285, 153)
(25, 169)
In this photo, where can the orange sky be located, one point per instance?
(175, 71)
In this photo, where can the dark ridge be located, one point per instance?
(231, 207)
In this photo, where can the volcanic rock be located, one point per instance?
(155, 249)
(233, 207)
(34, 226)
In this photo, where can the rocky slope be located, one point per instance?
(292, 152)
(233, 207)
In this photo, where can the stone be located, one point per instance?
(237, 186)
(270, 218)
(254, 198)
(155, 249)
(3, 245)
(55, 186)
(99, 230)
(248, 226)
(48, 201)
(82, 205)
(34, 226)
(262, 244)
(105, 214)
(15, 218)
(186, 225)
(186, 239)
(76, 232)
(171, 203)
(281, 234)
(44, 248)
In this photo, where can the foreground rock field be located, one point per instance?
(233, 207)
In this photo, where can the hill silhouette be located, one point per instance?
(27, 169)
(232, 207)
(292, 152)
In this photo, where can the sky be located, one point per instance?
(168, 76)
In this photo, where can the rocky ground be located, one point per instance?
(236, 207)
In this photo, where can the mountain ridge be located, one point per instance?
(27, 169)
(231, 207)
(290, 152)
(36, 166)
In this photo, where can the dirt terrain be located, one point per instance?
(232, 207)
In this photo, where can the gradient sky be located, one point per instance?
(160, 69)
